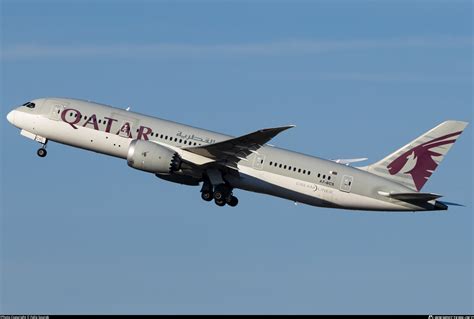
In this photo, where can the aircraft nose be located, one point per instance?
(11, 117)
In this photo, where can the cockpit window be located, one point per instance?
(31, 105)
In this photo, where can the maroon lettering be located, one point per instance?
(92, 120)
(142, 134)
(76, 117)
(109, 123)
(125, 130)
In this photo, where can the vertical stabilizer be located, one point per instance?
(414, 163)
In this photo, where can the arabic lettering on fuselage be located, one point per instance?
(75, 117)
(195, 138)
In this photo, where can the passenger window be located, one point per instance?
(329, 178)
(324, 176)
(280, 165)
(294, 169)
(284, 167)
(270, 163)
(304, 171)
(289, 167)
(299, 170)
(309, 172)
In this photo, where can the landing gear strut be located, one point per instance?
(42, 151)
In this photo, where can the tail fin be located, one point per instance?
(414, 163)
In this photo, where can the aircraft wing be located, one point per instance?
(236, 149)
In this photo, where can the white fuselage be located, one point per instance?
(269, 170)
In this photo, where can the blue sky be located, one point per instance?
(83, 233)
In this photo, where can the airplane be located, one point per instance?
(221, 163)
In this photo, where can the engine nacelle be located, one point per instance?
(151, 157)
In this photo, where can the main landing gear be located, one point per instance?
(222, 194)
(42, 151)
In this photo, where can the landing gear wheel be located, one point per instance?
(41, 152)
(220, 202)
(218, 195)
(233, 201)
(207, 196)
(221, 192)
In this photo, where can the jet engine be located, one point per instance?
(151, 157)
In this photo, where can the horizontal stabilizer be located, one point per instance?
(349, 160)
(425, 197)
(451, 204)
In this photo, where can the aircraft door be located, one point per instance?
(346, 183)
(258, 161)
(56, 110)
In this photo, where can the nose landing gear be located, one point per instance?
(41, 152)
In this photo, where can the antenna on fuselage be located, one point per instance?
(127, 109)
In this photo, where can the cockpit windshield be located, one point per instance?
(31, 105)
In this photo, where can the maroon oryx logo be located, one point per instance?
(418, 161)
